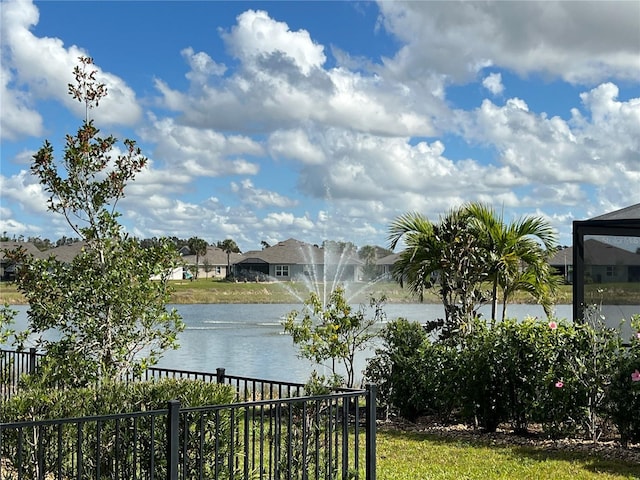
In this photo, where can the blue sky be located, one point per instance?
(327, 120)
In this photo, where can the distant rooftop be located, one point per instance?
(630, 212)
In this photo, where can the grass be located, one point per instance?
(211, 291)
(411, 456)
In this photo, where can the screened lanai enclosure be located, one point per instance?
(606, 266)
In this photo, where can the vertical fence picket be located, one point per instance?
(371, 432)
(173, 429)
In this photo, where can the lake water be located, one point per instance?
(248, 340)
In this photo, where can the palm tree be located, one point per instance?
(198, 246)
(229, 247)
(368, 255)
(444, 254)
(517, 255)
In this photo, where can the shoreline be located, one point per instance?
(208, 291)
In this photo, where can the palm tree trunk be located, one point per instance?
(494, 301)
(504, 304)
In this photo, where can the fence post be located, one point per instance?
(32, 360)
(220, 375)
(370, 440)
(173, 429)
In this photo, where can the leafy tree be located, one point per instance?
(334, 331)
(228, 246)
(7, 318)
(108, 316)
(369, 254)
(517, 255)
(40, 244)
(264, 244)
(198, 246)
(207, 267)
(446, 255)
(339, 248)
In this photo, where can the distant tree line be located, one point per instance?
(197, 246)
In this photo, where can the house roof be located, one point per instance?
(627, 213)
(600, 253)
(597, 253)
(388, 260)
(562, 257)
(293, 252)
(67, 252)
(28, 246)
(214, 256)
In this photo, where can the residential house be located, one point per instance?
(385, 265)
(67, 251)
(293, 259)
(562, 261)
(213, 264)
(8, 267)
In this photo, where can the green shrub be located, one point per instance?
(398, 366)
(112, 398)
(440, 384)
(624, 393)
(483, 378)
(571, 379)
(126, 446)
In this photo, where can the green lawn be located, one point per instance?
(206, 290)
(418, 456)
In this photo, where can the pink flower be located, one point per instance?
(553, 325)
(635, 376)
(559, 384)
(638, 335)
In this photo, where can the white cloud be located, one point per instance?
(580, 42)
(295, 145)
(26, 190)
(202, 66)
(260, 198)
(286, 219)
(560, 159)
(281, 83)
(201, 152)
(19, 117)
(44, 65)
(493, 83)
(257, 36)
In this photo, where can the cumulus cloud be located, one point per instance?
(201, 152)
(368, 139)
(493, 83)
(44, 65)
(599, 146)
(257, 36)
(26, 190)
(282, 82)
(580, 42)
(295, 144)
(18, 118)
(260, 198)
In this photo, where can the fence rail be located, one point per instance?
(272, 432)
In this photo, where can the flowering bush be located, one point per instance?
(624, 393)
(571, 379)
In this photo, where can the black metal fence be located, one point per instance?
(13, 365)
(272, 432)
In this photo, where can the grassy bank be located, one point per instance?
(209, 291)
(410, 455)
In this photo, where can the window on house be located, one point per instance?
(282, 270)
(611, 271)
(218, 270)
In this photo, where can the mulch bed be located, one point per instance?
(608, 448)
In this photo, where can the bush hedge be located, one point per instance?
(570, 379)
(115, 447)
